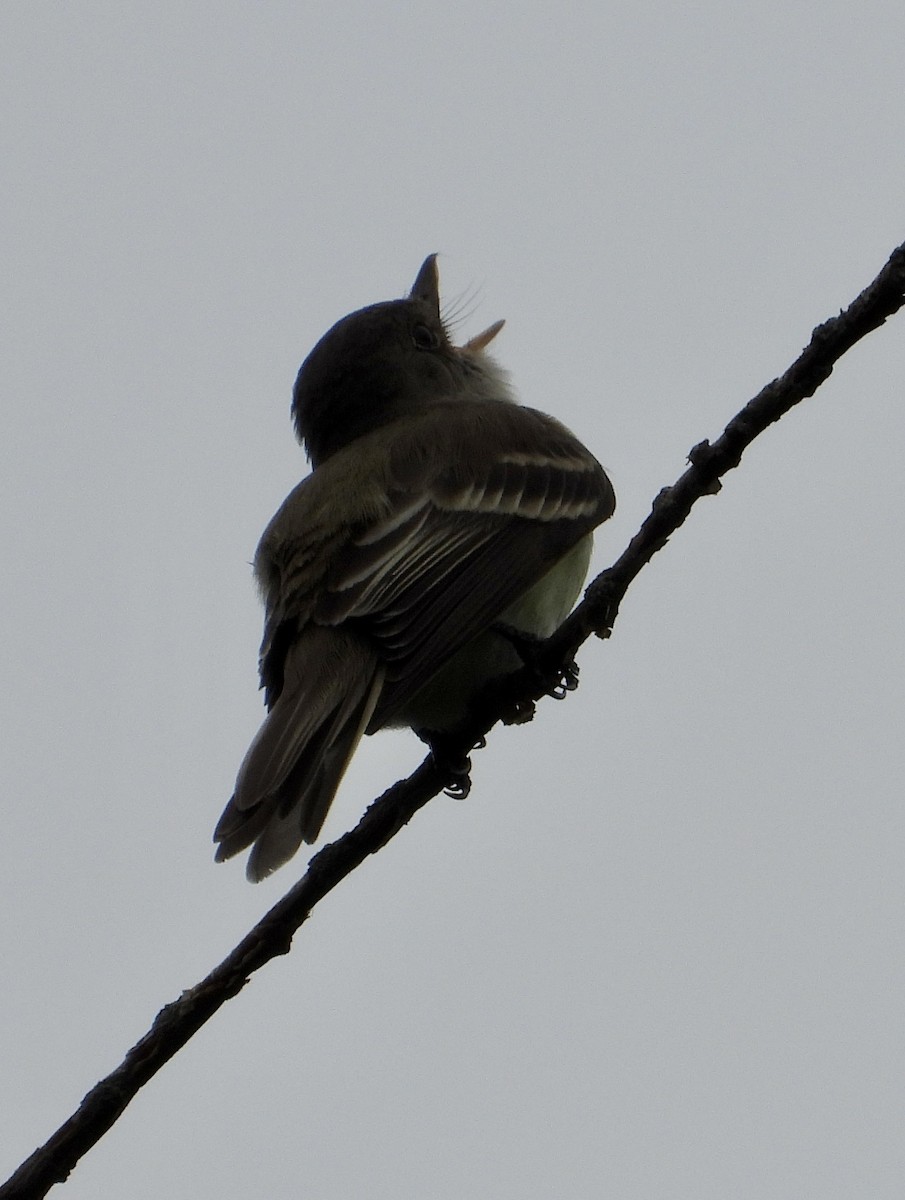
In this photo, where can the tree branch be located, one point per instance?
(596, 614)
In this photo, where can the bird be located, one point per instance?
(443, 530)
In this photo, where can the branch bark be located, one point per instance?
(179, 1021)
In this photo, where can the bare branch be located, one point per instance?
(177, 1022)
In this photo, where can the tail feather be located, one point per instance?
(294, 766)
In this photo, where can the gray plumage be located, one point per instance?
(439, 516)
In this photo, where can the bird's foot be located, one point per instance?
(525, 646)
(567, 682)
(451, 762)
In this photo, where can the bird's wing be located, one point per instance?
(375, 571)
(466, 526)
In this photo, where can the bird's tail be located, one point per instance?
(289, 776)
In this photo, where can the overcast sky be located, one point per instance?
(659, 952)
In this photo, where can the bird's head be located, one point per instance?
(385, 362)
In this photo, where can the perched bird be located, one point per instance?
(443, 528)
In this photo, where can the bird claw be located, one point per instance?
(454, 765)
(525, 646)
(458, 789)
(567, 682)
(458, 772)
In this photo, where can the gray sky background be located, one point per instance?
(660, 950)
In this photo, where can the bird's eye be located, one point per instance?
(425, 338)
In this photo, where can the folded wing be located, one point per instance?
(374, 576)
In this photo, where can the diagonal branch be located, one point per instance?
(596, 614)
